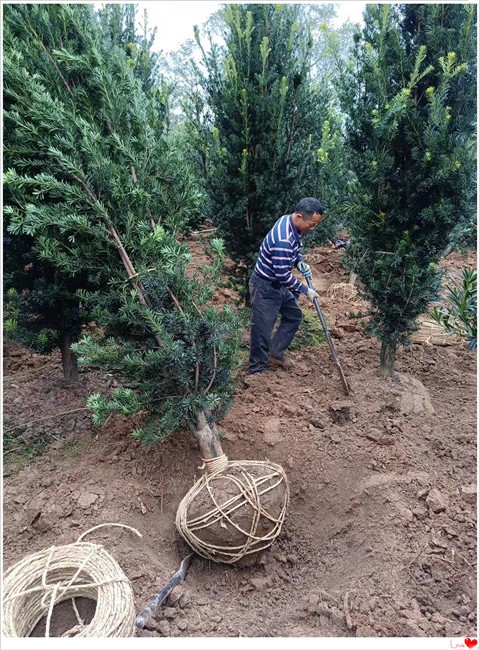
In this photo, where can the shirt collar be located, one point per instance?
(293, 228)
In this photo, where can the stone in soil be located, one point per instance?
(436, 501)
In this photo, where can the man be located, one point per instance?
(274, 289)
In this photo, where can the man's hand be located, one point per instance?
(312, 294)
(305, 270)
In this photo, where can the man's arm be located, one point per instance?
(302, 266)
(282, 259)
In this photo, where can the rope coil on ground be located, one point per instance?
(344, 290)
(33, 586)
(250, 490)
(431, 333)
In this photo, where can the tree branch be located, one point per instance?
(133, 174)
(214, 370)
(175, 300)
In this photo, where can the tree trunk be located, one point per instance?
(388, 357)
(208, 439)
(247, 297)
(69, 360)
(447, 251)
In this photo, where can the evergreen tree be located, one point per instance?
(41, 310)
(119, 26)
(41, 307)
(190, 105)
(45, 314)
(102, 193)
(332, 49)
(441, 30)
(410, 98)
(334, 176)
(262, 124)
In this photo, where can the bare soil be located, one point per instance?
(380, 536)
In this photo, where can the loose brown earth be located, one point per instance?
(380, 536)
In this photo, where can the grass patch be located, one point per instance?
(18, 452)
(73, 448)
(310, 333)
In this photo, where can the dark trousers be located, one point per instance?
(268, 299)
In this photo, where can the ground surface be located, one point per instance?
(380, 536)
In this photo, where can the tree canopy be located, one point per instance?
(410, 111)
(101, 192)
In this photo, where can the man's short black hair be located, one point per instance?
(309, 206)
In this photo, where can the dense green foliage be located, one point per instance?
(118, 24)
(459, 313)
(192, 111)
(43, 309)
(175, 354)
(40, 304)
(104, 195)
(103, 181)
(262, 126)
(410, 104)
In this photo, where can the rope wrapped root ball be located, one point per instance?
(234, 511)
(33, 586)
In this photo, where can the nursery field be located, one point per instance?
(380, 536)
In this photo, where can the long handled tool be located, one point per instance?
(161, 596)
(332, 349)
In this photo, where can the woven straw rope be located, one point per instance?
(431, 333)
(344, 290)
(249, 491)
(33, 586)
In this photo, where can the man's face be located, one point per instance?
(304, 226)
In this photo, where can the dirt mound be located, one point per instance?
(379, 538)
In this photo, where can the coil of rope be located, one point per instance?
(33, 586)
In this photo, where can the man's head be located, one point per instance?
(307, 214)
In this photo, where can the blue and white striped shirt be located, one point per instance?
(280, 251)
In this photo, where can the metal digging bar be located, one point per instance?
(332, 349)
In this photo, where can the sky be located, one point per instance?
(174, 20)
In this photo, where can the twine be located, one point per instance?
(431, 333)
(345, 290)
(214, 464)
(250, 491)
(33, 587)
